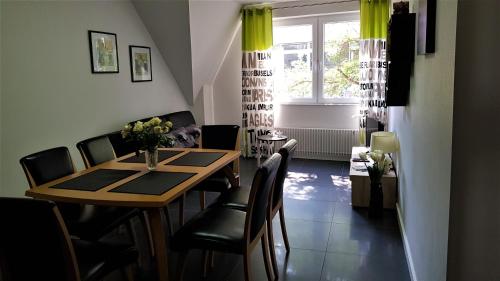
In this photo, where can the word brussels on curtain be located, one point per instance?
(372, 59)
(257, 82)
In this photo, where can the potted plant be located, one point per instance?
(380, 166)
(148, 136)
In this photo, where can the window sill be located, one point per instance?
(319, 104)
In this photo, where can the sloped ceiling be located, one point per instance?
(212, 25)
(168, 24)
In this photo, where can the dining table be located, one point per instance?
(127, 182)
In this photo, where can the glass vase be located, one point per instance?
(376, 208)
(151, 159)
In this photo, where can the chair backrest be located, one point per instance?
(220, 136)
(96, 150)
(286, 152)
(258, 201)
(180, 119)
(47, 165)
(34, 242)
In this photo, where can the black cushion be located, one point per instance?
(218, 229)
(97, 259)
(96, 150)
(180, 119)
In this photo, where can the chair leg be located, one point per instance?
(206, 255)
(272, 251)
(145, 223)
(180, 266)
(246, 265)
(265, 254)
(283, 229)
(181, 209)
(202, 200)
(130, 232)
(169, 220)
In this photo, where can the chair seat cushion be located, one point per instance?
(236, 198)
(218, 182)
(97, 259)
(218, 229)
(96, 221)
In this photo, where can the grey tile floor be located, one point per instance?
(329, 239)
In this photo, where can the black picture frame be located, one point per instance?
(426, 37)
(95, 66)
(145, 74)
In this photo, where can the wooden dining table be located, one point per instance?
(152, 204)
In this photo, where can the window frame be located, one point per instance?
(318, 41)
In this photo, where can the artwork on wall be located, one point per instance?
(140, 63)
(426, 38)
(103, 52)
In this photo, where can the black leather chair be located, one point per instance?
(96, 150)
(218, 137)
(84, 221)
(230, 230)
(35, 245)
(238, 198)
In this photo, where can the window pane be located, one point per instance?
(293, 59)
(340, 60)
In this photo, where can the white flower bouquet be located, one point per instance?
(381, 165)
(150, 135)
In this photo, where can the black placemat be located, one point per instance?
(95, 180)
(197, 159)
(162, 155)
(153, 183)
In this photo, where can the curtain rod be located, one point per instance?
(314, 4)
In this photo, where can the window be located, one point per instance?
(316, 59)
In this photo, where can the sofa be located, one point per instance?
(184, 130)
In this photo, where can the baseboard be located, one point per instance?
(406, 246)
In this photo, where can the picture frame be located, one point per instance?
(426, 37)
(103, 52)
(140, 64)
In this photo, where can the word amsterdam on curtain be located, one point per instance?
(372, 60)
(257, 82)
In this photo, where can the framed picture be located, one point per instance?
(140, 64)
(426, 37)
(103, 52)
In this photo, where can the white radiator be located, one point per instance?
(324, 144)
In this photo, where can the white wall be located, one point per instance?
(168, 23)
(212, 24)
(474, 234)
(227, 88)
(424, 128)
(49, 96)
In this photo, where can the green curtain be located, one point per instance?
(257, 30)
(374, 18)
(373, 65)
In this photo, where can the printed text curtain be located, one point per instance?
(372, 61)
(257, 83)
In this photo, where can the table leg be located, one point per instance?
(228, 172)
(160, 242)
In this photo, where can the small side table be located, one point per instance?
(360, 183)
(268, 138)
